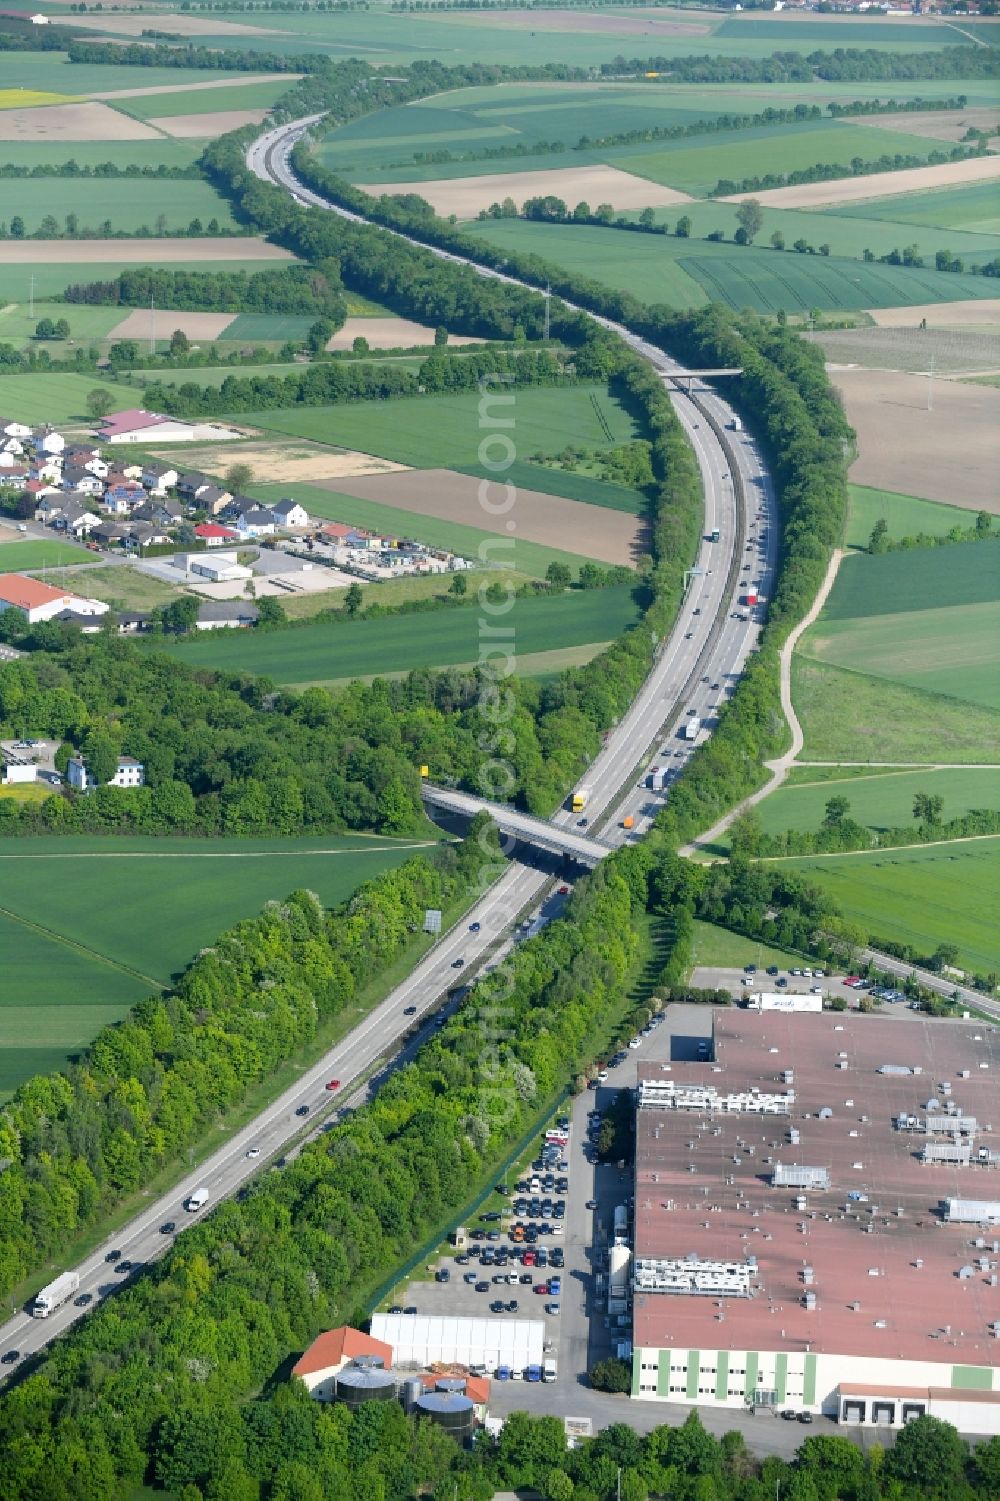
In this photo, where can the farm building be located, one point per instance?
(138, 426)
(38, 601)
(846, 1286)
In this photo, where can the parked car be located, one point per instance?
(482, 1287)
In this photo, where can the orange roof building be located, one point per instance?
(330, 1352)
(35, 600)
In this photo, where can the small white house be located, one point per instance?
(130, 773)
(20, 771)
(290, 513)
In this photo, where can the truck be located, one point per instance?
(532, 1373)
(621, 1219)
(735, 425)
(691, 728)
(628, 822)
(549, 1370)
(783, 1000)
(55, 1293)
(197, 1200)
(715, 535)
(751, 597)
(580, 799)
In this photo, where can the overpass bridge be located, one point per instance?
(530, 830)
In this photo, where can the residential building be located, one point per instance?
(76, 519)
(81, 481)
(213, 500)
(130, 773)
(160, 510)
(133, 622)
(47, 440)
(89, 625)
(14, 476)
(109, 534)
(10, 428)
(122, 499)
(256, 522)
(159, 477)
(214, 535)
(290, 513)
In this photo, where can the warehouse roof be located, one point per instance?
(886, 1274)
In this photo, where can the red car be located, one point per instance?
(333, 1084)
(542, 1288)
(564, 891)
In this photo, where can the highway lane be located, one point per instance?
(518, 888)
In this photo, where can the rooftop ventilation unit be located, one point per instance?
(792, 1175)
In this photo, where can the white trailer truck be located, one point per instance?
(56, 1293)
(691, 728)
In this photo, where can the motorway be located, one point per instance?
(712, 646)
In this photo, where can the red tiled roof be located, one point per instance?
(210, 529)
(336, 1346)
(27, 593)
(128, 421)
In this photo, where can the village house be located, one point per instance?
(219, 614)
(161, 511)
(121, 500)
(256, 522)
(82, 482)
(290, 513)
(130, 773)
(76, 519)
(11, 429)
(159, 478)
(214, 535)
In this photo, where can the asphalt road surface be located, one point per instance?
(682, 660)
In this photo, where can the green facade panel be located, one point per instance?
(809, 1382)
(636, 1373)
(694, 1361)
(752, 1362)
(722, 1377)
(781, 1376)
(663, 1373)
(976, 1378)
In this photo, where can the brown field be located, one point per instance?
(183, 25)
(878, 185)
(390, 333)
(307, 463)
(212, 123)
(72, 122)
(243, 81)
(465, 196)
(142, 324)
(946, 351)
(590, 531)
(950, 453)
(140, 252)
(974, 314)
(942, 124)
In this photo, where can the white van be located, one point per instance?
(197, 1201)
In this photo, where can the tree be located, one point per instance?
(319, 335)
(647, 218)
(238, 477)
(99, 401)
(17, 227)
(354, 599)
(559, 575)
(927, 1454)
(984, 524)
(180, 614)
(45, 329)
(459, 585)
(124, 352)
(440, 337)
(61, 328)
(777, 240)
(750, 218)
(270, 611)
(824, 249)
(72, 224)
(878, 540)
(945, 956)
(927, 808)
(360, 345)
(179, 342)
(682, 229)
(611, 1375)
(836, 811)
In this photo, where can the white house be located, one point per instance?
(290, 513)
(256, 522)
(219, 614)
(47, 440)
(11, 429)
(130, 773)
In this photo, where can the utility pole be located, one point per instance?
(548, 294)
(930, 386)
(152, 325)
(31, 298)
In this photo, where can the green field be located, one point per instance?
(852, 716)
(123, 588)
(974, 208)
(566, 482)
(57, 397)
(203, 101)
(128, 203)
(17, 556)
(432, 432)
(918, 580)
(922, 896)
(529, 557)
(72, 966)
(54, 71)
(880, 802)
(18, 321)
(153, 153)
(322, 653)
(687, 273)
(905, 515)
(719, 948)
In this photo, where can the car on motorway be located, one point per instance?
(9, 1357)
(168, 1227)
(113, 1256)
(302, 1110)
(83, 1301)
(253, 1153)
(123, 1266)
(333, 1084)
(564, 891)
(688, 635)
(475, 927)
(582, 823)
(772, 969)
(409, 1010)
(458, 963)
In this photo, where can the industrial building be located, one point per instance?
(817, 1221)
(345, 1365)
(422, 1340)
